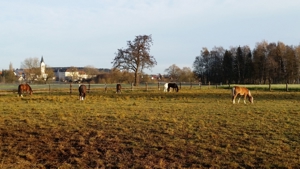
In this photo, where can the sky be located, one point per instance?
(89, 32)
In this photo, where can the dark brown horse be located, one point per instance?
(24, 88)
(82, 92)
(118, 88)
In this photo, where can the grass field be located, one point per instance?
(198, 128)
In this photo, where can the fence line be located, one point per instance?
(73, 87)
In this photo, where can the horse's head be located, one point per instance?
(176, 87)
(250, 98)
(30, 90)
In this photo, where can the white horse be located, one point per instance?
(242, 91)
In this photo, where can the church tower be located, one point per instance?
(43, 69)
(43, 66)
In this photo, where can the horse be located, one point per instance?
(82, 92)
(118, 88)
(242, 91)
(167, 87)
(24, 88)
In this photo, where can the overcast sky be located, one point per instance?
(89, 32)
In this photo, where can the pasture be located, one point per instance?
(194, 128)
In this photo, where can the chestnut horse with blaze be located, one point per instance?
(242, 91)
(24, 88)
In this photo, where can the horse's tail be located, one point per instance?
(233, 91)
(30, 89)
(19, 90)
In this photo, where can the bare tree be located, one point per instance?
(186, 75)
(173, 72)
(50, 73)
(31, 68)
(91, 71)
(136, 57)
(73, 73)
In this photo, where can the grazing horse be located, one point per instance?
(242, 91)
(118, 88)
(167, 87)
(82, 92)
(24, 88)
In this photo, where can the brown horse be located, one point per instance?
(118, 88)
(24, 88)
(242, 91)
(82, 92)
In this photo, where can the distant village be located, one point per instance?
(62, 74)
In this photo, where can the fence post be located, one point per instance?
(158, 85)
(70, 88)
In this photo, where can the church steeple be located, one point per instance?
(42, 60)
(43, 66)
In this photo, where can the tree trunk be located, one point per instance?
(269, 84)
(136, 78)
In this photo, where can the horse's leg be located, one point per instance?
(233, 98)
(245, 98)
(239, 99)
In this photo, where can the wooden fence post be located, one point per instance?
(70, 88)
(158, 85)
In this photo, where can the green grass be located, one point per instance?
(198, 128)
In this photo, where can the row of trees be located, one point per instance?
(173, 73)
(266, 63)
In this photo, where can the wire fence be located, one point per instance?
(158, 86)
(73, 87)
